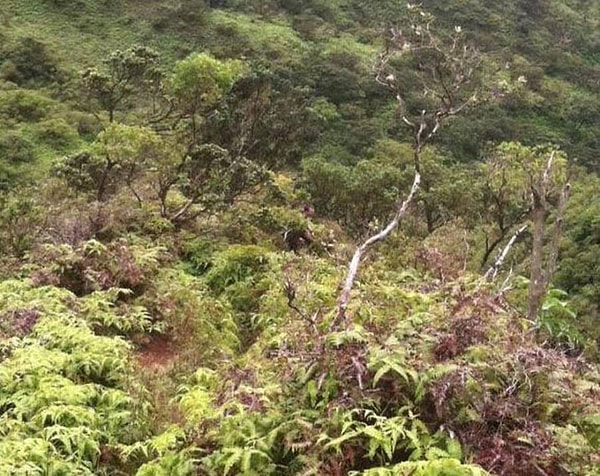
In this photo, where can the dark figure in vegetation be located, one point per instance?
(308, 211)
(296, 238)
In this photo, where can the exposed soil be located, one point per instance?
(157, 353)
(156, 358)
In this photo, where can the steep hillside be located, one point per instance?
(187, 187)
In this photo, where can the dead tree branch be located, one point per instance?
(495, 268)
(543, 270)
(344, 298)
(290, 292)
(444, 71)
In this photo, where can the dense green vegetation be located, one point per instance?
(183, 186)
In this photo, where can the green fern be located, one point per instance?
(393, 363)
(61, 388)
(356, 335)
(438, 467)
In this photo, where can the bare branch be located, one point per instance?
(546, 180)
(344, 298)
(443, 73)
(495, 268)
(547, 170)
(290, 292)
(183, 210)
(541, 273)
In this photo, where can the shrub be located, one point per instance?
(82, 171)
(238, 263)
(23, 106)
(20, 219)
(57, 133)
(14, 148)
(199, 255)
(62, 388)
(88, 125)
(93, 266)
(184, 15)
(30, 63)
(201, 327)
(276, 220)
(359, 195)
(240, 274)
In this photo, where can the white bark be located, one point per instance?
(344, 298)
(541, 273)
(493, 271)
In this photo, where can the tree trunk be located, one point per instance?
(557, 234)
(177, 216)
(541, 273)
(490, 247)
(536, 278)
(344, 298)
(101, 190)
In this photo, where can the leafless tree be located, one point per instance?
(492, 272)
(445, 85)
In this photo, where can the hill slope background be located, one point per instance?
(183, 185)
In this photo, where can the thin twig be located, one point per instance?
(290, 291)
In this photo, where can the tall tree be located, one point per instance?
(534, 180)
(115, 158)
(545, 184)
(446, 74)
(197, 85)
(124, 74)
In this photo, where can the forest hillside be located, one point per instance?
(300, 237)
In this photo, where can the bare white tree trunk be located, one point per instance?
(452, 91)
(344, 298)
(493, 271)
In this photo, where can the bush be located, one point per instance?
(201, 327)
(276, 220)
(240, 275)
(93, 266)
(88, 125)
(362, 194)
(62, 389)
(28, 63)
(182, 15)
(57, 133)
(19, 105)
(20, 219)
(15, 149)
(238, 263)
(199, 255)
(82, 171)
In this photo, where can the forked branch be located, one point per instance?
(448, 77)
